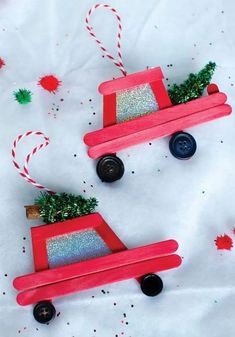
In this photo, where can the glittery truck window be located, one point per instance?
(75, 247)
(135, 102)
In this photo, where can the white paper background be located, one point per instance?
(44, 37)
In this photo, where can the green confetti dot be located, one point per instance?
(23, 96)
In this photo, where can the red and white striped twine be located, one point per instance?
(25, 172)
(117, 62)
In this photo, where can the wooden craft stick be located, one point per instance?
(153, 119)
(95, 265)
(32, 212)
(158, 131)
(97, 279)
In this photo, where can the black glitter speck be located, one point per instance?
(114, 303)
(75, 155)
(103, 291)
(89, 123)
(61, 99)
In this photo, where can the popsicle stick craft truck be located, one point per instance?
(137, 109)
(82, 253)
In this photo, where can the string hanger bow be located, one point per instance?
(25, 172)
(118, 62)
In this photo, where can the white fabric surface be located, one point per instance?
(43, 37)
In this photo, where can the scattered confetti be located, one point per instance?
(49, 83)
(224, 242)
(23, 96)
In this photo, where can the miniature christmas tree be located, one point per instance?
(63, 206)
(193, 86)
(23, 96)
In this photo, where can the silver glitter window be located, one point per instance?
(135, 102)
(75, 247)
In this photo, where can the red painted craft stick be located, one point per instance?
(95, 265)
(153, 119)
(158, 131)
(97, 279)
(132, 80)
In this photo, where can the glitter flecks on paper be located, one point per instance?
(135, 102)
(75, 247)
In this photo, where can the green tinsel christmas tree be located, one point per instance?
(23, 96)
(62, 206)
(193, 86)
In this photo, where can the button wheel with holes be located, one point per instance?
(182, 145)
(110, 168)
(44, 312)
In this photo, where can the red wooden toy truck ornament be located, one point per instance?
(137, 109)
(83, 253)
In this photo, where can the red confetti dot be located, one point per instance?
(224, 242)
(2, 63)
(49, 83)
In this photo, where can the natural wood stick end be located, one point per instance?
(32, 212)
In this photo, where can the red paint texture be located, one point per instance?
(224, 242)
(2, 63)
(49, 83)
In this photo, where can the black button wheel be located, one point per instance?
(110, 168)
(44, 311)
(182, 145)
(151, 285)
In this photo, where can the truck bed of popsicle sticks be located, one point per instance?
(164, 122)
(46, 284)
